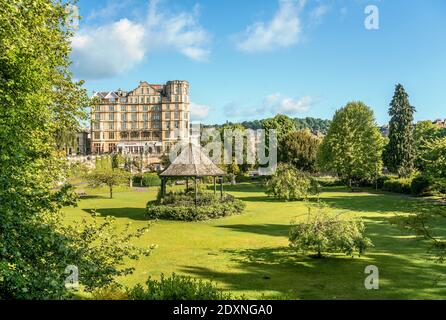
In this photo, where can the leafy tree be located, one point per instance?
(400, 153)
(300, 149)
(288, 183)
(425, 133)
(325, 232)
(434, 158)
(105, 174)
(353, 146)
(39, 100)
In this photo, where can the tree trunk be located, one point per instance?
(111, 192)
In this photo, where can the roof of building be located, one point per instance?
(192, 162)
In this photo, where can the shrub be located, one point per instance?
(402, 185)
(289, 183)
(328, 232)
(177, 288)
(422, 185)
(151, 179)
(381, 180)
(182, 207)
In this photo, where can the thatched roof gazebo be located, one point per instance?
(192, 163)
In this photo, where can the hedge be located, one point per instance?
(182, 208)
(402, 185)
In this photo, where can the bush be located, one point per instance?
(381, 180)
(329, 232)
(402, 185)
(422, 185)
(177, 288)
(289, 183)
(182, 207)
(150, 179)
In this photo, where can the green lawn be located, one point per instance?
(249, 255)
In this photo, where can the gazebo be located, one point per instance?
(192, 163)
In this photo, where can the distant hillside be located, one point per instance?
(314, 124)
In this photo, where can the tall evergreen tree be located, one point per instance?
(400, 153)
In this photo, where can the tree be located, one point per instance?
(300, 149)
(325, 232)
(105, 174)
(434, 158)
(353, 146)
(288, 183)
(424, 134)
(39, 100)
(400, 153)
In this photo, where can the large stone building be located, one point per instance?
(148, 119)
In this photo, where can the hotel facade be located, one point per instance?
(147, 120)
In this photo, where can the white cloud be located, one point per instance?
(277, 103)
(283, 30)
(198, 111)
(108, 50)
(318, 13)
(115, 48)
(272, 104)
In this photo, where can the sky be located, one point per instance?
(252, 59)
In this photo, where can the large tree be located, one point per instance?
(400, 153)
(38, 101)
(353, 146)
(300, 149)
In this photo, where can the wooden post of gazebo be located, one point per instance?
(196, 191)
(215, 186)
(221, 186)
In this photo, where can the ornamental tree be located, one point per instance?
(353, 146)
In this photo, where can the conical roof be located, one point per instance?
(192, 162)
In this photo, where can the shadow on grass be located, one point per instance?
(129, 213)
(278, 230)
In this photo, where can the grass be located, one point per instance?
(249, 255)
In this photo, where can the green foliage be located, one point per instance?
(181, 206)
(300, 149)
(105, 174)
(401, 185)
(434, 158)
(381, 180)
(422, 185)
(288, 183)
(312, 124)
(328, 232)
(177, 287)
(40, 106)
(149, 179)
(425, 133)
(400, 153)
(353, 146)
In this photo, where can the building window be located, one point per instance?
(134, 116)
(167, 115)
(176, 99)
(145, 108)
(111, 108)
(159, 99)
(134, 135)
(177, 124)
(124, 117)
(168, 125)
(111, 117)
(146, 125)
(145, 117)
(97, 126)
(97, 116)
(146, 134)
(123, 108)
(123, 100)
(133, 108)
(111, 135)
(97, 135)
(133, 125)
(124, 126)
(155, 116)
(124, 135)
(156, 125)
(111, 126)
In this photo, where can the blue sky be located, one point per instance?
(251, 59)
